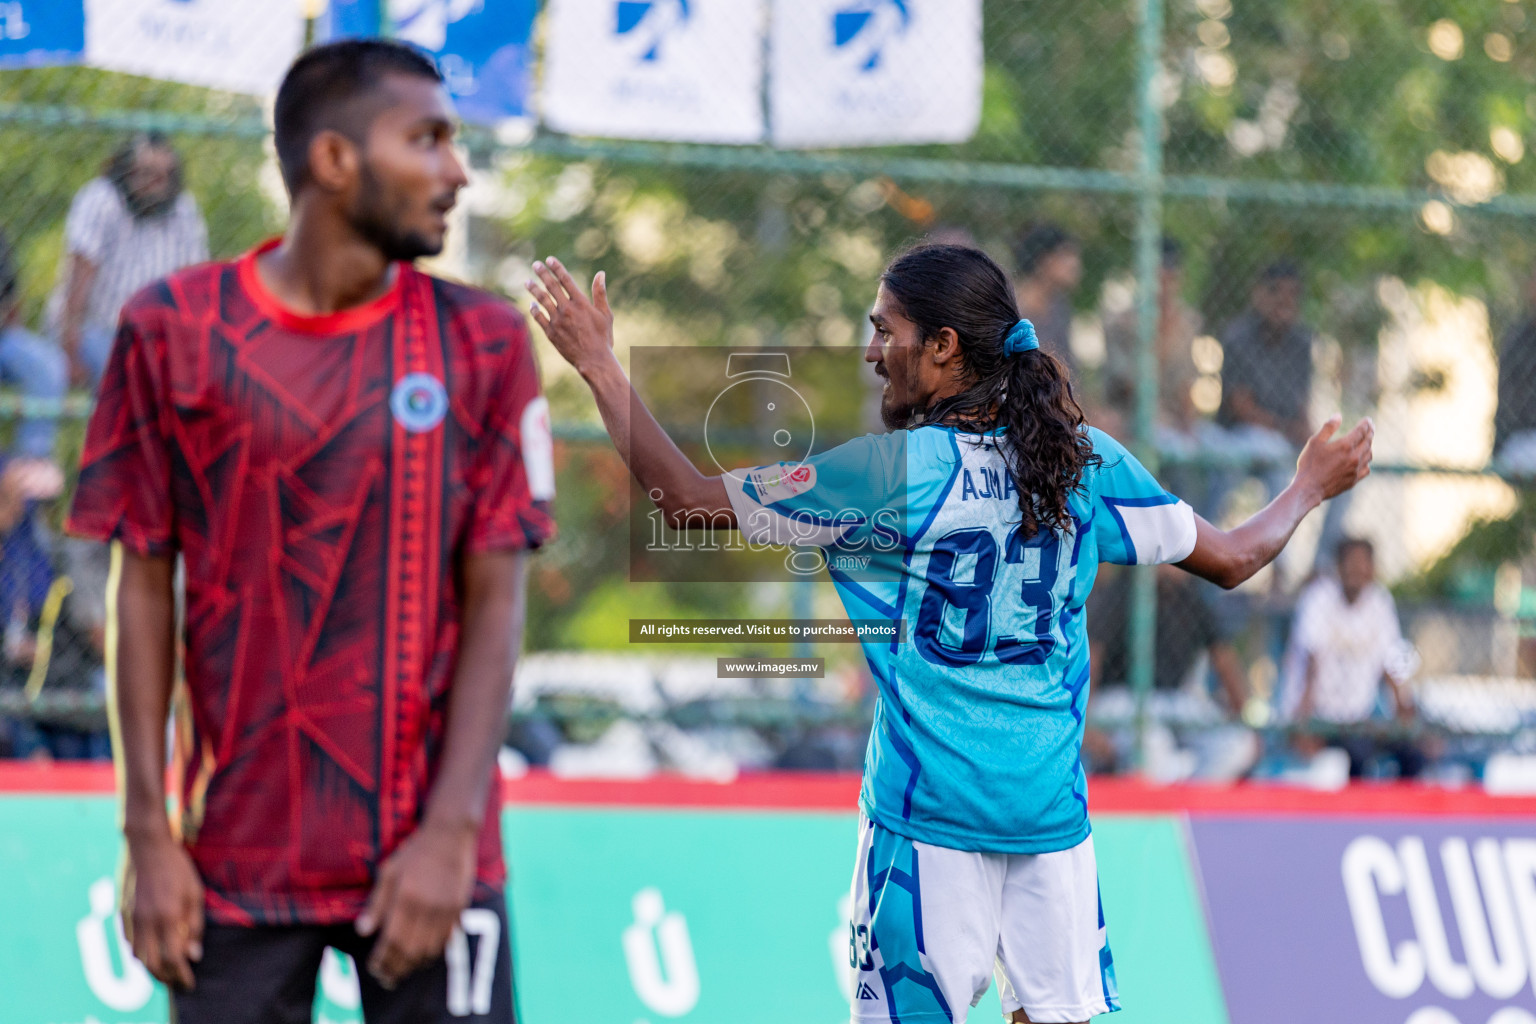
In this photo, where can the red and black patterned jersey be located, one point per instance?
(322, 476)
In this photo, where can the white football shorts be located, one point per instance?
(930, 926)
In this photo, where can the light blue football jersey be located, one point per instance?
(979, 721)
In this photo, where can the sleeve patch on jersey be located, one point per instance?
(1154, 534)
(538, 449)
(781, 481)
(762, 525)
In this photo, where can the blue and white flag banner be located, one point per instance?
(240, 47)
(679, 70)
(38, 32)
(874, 72)
(482, 46)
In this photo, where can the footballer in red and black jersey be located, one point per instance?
(321, 476)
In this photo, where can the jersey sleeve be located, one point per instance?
(124, 490)
(840, 496)
(1135, 521)
(514, 475)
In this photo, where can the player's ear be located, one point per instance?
(944, 346)
(333, 161)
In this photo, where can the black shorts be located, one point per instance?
(266, 975)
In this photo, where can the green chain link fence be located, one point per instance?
(1212, 163)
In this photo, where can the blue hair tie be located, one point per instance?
(1021, 339)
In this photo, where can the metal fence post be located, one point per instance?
(1149, 230)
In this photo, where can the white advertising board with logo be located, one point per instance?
(241, 47)
(679, 70)
(874, 72)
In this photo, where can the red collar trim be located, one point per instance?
(343, 321)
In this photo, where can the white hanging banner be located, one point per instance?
(680, 70)
(240, 47)
(874, 72)
(482, 46)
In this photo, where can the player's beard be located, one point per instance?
(895, 415)
(898, 413)
(146, 204)
(376, 218)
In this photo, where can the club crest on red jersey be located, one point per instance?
(419, 402)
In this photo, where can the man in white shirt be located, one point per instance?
(1345, 641)
(131, 225)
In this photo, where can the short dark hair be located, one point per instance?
(1280, 270)
(1348, 544)
(321, 91)
(1172, 253)
(1037, 243)
(121, 162)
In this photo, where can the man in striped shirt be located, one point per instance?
(129, 226)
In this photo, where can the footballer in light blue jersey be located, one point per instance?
(979, 521)
(980, 719)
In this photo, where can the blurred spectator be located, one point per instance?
(132, 225)
(41, 649)
(127, 228)
(1177, 326)
(34, 366)
(1050, 266)
(1186, 629)
(1345, 641)
(83, 562)
(1266, 393)
(25, 570)
(68, 673)
(1266, 371)
(1514, 424)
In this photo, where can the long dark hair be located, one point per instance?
(1028, 395)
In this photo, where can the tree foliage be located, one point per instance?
(1385, 94)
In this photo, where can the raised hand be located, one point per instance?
(1328, 467)
(1333, 465)
(581, 329)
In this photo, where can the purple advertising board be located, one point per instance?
(1381, 920)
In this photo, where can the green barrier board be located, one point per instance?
(619, 917)
(61, 947)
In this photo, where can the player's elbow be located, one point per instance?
(1229, 578)
(1222, 559)
(1223, 569)
(1239, 568)
(694, 508)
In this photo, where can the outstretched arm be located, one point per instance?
(1328, 466)
(581, 329)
